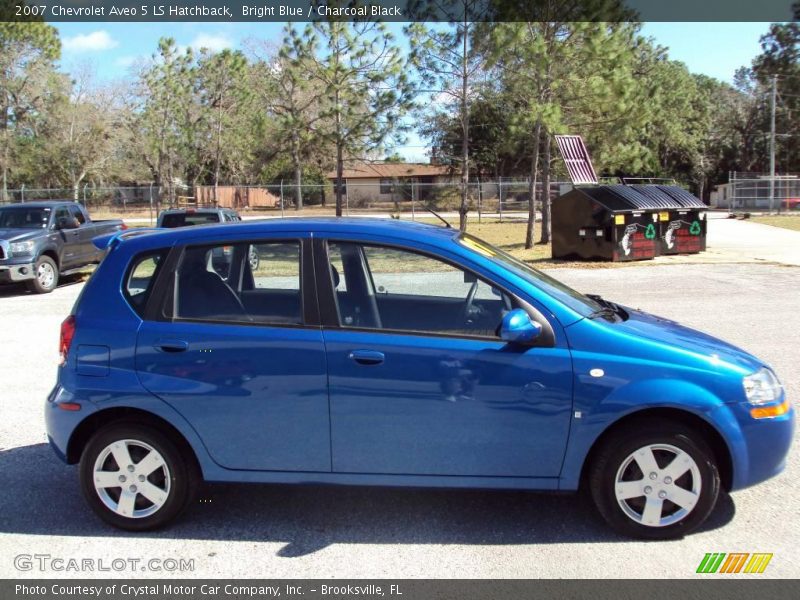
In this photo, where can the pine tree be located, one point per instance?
(366, 88)
(27, 53)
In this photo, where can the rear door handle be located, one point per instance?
(366, 357)
(171, 345)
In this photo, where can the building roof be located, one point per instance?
(392, 170)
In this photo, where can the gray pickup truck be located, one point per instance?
(39, 241)
(188, 217)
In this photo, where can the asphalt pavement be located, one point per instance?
(309, 531)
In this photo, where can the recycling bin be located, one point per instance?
(684, 230)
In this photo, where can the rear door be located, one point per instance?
(240, 354)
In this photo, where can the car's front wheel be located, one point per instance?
(45, 276)
(657, 481)
(135, 478)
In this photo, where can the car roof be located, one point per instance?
(177, 211)
(392, 228)
(41, 204)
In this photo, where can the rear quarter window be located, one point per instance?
(140, 279)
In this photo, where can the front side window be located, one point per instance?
(77, 213)
(400, 290)
(242, 283)
(62, 215)
(575, 300)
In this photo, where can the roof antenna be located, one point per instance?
(440, 217)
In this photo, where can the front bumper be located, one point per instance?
(766, 446)
(11, 273)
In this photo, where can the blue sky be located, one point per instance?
(110, 49)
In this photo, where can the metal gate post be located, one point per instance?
(501, 201)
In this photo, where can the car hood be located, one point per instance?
(19, 235)
(690, 341)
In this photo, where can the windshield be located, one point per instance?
(188, 219)
(20, 217)
(565, 294)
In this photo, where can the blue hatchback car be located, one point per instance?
(374, 352)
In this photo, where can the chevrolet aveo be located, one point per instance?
(371, 352)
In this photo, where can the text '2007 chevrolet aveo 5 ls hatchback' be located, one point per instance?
(370, 352)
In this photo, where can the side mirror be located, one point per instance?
(517, 328)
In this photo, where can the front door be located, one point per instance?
(420, 383)
(86, 250)
(70, 239)
(236, 357)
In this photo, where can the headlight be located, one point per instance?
(762, 387)
(22, 248)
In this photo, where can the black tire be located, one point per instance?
(43, 285)
(618, 451)
(181, 485)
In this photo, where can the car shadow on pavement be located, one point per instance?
(20, 289)
(40, 496)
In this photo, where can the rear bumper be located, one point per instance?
(17, 272)
(60, 424)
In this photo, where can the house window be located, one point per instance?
(399, 189)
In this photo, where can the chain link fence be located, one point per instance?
(498, 198)
(759, 192)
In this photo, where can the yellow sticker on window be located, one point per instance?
(619, 220)
(663, 216)
(477, 246)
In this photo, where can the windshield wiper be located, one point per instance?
(607, 308)
(606, 312)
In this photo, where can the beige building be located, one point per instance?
(372, 183)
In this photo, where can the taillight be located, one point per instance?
(123, 227)
(67, 333)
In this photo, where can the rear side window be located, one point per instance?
(141, 276)
(188, 219)
(239, 283)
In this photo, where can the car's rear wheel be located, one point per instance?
(658, 481)
(134, 477)
(45, 276)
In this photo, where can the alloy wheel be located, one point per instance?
(658, 485)
(131, 478)
(45, 274)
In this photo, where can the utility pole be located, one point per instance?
(772, 147)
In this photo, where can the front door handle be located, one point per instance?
(171, 345)
(366, 357)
